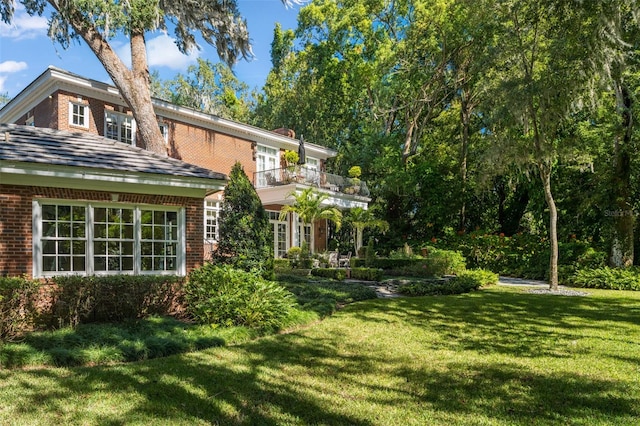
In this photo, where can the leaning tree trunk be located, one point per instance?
(134, 84)
(545, 176)
(622, 252)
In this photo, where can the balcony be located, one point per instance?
(310, 177)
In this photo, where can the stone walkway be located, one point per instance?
(533, 286)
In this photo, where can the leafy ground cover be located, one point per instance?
(493, 357)
(155, 337)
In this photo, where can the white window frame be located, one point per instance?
(211, 224)
(82, 114)
(312, 163)
(176, 241)
(120, 119)
(302, 232)
(164, 130)
(276, 223)
(267, 158)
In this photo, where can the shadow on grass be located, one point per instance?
(520, 324)
(291, 378)
(128, 341)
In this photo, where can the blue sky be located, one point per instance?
(26, 51)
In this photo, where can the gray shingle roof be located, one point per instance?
(82, 149)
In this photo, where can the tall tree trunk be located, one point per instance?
(134, 85)
(621, 255)
(465, 119)
(545, 175)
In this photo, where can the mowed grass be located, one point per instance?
(498, 356)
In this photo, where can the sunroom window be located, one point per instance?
(96, 238)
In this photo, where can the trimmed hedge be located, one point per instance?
(366, 274)
(281, 265)
(608, 278)
(436, 264)
(333, 273)
(435, 287)
(113, 298)
(18, 312)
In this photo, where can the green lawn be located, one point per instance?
(496, 356)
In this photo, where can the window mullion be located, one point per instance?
(89, 262)
(137, 238)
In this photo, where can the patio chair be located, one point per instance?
(333, 259)
(344, 261)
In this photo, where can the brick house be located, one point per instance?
(79, 203)
(61, 100)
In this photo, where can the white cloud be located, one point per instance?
(12, 66)
(24, 26)
(8, 67)
(161, 52)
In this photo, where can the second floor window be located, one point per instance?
(164, 130)
(266, 163)
(78, 115)
(119, 127)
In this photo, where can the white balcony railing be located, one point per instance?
(310, 177)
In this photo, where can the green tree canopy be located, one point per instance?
(208, 87)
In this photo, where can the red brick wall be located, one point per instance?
(209, 149)
(16, 224)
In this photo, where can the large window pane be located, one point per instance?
(63, 238)
(118, 243)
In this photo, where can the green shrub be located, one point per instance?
(333, 273)
(112, 298)
(246, 236)
(437, 263)
(440, 286)
(476, 278)
(444, 262)
(388, 264)
(300, 257)
(366, 274)
(356, 262)
(17, 306)
(226, 296)
(281, 265)
(608, 278)
(523, 255)
(370, 254)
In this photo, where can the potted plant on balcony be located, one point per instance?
(354, 180)
(290, 159)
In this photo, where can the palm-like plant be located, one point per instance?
(309, 207)
(360, 219)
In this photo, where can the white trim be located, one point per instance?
(37, 251)
(84, 114)
(106, 180)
